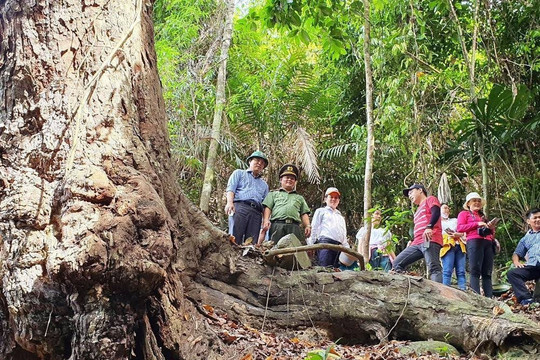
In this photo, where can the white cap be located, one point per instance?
(332, 190)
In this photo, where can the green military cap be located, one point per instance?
(289, 169)
(258, 154)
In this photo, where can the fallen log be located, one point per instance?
(365, 307)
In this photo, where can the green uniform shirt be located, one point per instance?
(286, 206)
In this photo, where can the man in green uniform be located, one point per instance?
(285, 209)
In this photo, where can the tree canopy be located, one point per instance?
(296, 90)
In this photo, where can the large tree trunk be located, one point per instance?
(91, 217)
(102, 257)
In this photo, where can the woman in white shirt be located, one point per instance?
(380, 253)
(328, 227)
(453, 251)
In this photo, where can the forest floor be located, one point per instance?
(247, 343)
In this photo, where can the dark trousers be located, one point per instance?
(246, 223)
(327, 257)
(481, 254)
(517, 278)
(414, 253)
(279, 230)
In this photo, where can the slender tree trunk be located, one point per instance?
(471, 65)
(220, 105)
(370, 135)
(485, 182)
(473, 50)
(469, 61)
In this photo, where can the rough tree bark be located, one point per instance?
(91, 218)
(101, 255)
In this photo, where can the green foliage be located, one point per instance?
(177, 27)
(443, 351)
(280, 90)
(400, 223)
(183, 41)
(326, 354)
(491, 122)
(298, 66)
(312, 20)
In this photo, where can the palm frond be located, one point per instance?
(338, 151)
(303, 149)
(352, 179)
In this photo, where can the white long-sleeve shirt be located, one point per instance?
(449, 224)
(380, 237)
(328, 223)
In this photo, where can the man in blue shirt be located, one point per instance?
(245, 193)
(528, 246)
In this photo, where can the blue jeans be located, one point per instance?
(416, 252)
(454, 259)
(481, 254)
(379, 261)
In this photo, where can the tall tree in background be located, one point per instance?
(220, 105)
(470, 62)
(369, 125)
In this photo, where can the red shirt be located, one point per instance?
(467, 222)
(422, 216)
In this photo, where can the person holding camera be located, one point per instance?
(480, 242)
